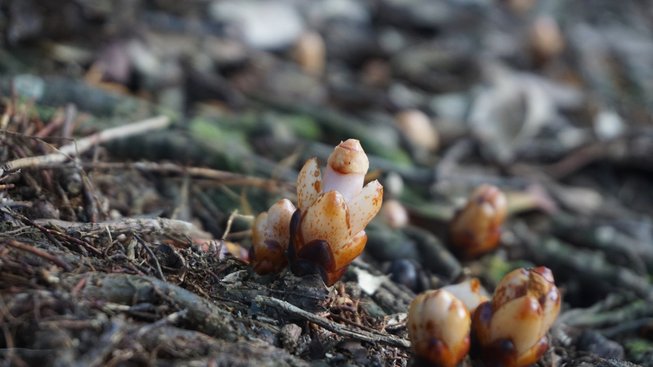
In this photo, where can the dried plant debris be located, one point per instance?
(141, 143)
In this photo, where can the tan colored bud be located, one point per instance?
(546, 39)
(416, 126)
(438, 328)
(476, 228)
(310, 53)
(512, 328)
(270, 236)
(327, 232)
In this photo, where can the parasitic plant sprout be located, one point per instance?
(327, 230)
(438, 328)
(476, 228)
(512, 328)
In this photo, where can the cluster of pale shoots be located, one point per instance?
(326, 231)
(510, 329)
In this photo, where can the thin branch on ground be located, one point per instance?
(150, 253)
(77, 147)
(333, 326)
(40, 253)
(51, 234)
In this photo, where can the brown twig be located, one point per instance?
(633, 150)
(153, 257)
(82, 145)
(339, 329)
(40, 253)
(576, 160)
(224, 177)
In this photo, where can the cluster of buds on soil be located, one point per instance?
(327, 230)
(510, 329)
(476, 228)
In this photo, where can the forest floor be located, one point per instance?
(138, 140)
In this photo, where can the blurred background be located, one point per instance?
(549, 100)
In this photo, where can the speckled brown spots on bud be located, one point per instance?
(476, 228)
(523, 308)
(438, 328)
(333, 211)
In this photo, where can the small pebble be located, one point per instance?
(289, 336)
(408, 273)
(394, 213)
(546, 38)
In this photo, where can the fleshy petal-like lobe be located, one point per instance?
(364, 206)
(327, 219)
(278, 221)
(551, 307)
(348, 251)
(309, 184)
(450, 316)
(511, 286)
(533, 354)
(519, 320)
